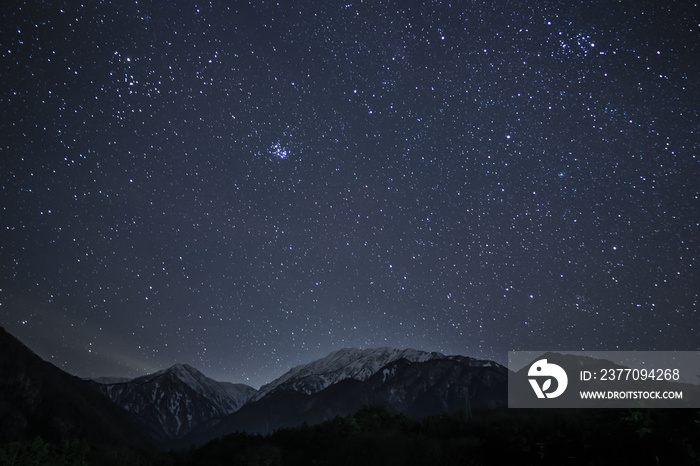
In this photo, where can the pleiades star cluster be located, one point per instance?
(248, 186)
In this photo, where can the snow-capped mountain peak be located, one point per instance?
(182, 372)
(176, 399)
(353, 363)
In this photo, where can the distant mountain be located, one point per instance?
(39, 399)
(348, 363)
(402, 381)
(173, 401)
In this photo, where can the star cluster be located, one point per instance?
(246, 186)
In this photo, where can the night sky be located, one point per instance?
(248, 187)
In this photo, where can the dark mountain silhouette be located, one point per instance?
(38, 399)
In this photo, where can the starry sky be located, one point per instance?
(248, 186)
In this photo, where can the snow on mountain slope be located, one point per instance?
(347, 363)
(411, 382)
(179, 400)
(175, 400)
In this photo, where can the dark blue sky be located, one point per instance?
(247, 188)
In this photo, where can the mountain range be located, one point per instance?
(179, 406)
(411, 382)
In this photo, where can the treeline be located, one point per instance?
(375, 437)
(524, 437)
(37, 452)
